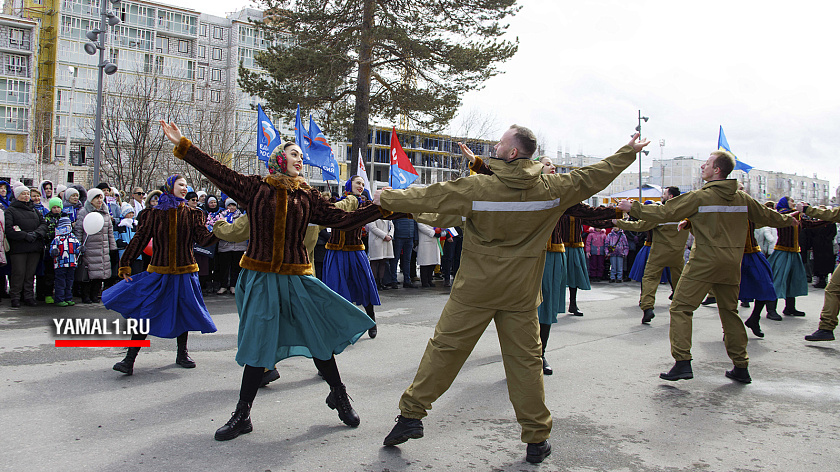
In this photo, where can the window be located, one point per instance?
(199, 94)
(202, 52)
(16, 65)
(203, 30)
(216, 75)
(162, 44)
(201, 72)
(11, 144)
(218, 33)
(70, 177)
(215, 96)
(183, 46)
(16, 36)
(217, 54)
(115, 55)
(158, 65)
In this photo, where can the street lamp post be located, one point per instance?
(646, 152)
(75, 72)
(97, 39)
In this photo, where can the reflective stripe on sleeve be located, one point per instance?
(722, 209)
(515, 206)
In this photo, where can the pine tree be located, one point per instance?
(350, 60)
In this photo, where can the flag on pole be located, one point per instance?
(319, 150)
(301, 136)
(361, 171)
(402, 172)
(267, 136)
(723, 145)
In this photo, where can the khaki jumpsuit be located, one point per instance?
(509, 217)
(831, 305)
(719, 214)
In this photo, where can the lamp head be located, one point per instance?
(113, 20)
(90, 48)
(109, 67)
(645, 118)
(93, 35)
(646, 152)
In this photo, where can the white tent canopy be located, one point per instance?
(649, 191)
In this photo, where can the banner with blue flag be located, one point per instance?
(267, 136)
(723, 145)
(319, 150)
(402, 172)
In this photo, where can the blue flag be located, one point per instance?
(267, 136)
(402, 172)
(300, 137)
(724, 145)
(319, 150)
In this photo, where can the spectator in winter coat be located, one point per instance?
(5, 201)
(72, 204)
(46, 188)
(596, 252)
(37, 203)
(405, 233)
(65, 250)
(616, 249)
(44, 283)
(123, 234)
(428, 252)
(26, 231)
(228, 254)
(380, 249)
(96, 262)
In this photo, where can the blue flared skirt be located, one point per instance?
(282, 316)
(639, 264)
(789, 277)
(553, 287)
(577, 273)
(756, 278)
(173, 304)
(348, 274)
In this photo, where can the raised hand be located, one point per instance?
(467, 152)
(172, 132)
(625, 205)
(638, 145)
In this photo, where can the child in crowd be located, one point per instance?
(65, 250)
(45, 283)
(124, 232)
(617, 250)
(595, 250)
(228, 254)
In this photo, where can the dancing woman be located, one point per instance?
(168, 293)
(283, 310)
(346, 265)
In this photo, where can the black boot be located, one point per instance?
(338, 399)
(545, 330)
(573, 308)
(239, 423)
(772, 314)
(821, 335)
(648, 315)
(183, 358)
(790, 307)
(373, 331)
(739, 374)
(126, 366)
(405, 429)
(754, 319)
(537, 452)
(708, 301)
(269, 376)
(547, 370)
(680, 371)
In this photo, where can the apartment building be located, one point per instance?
(18, 77)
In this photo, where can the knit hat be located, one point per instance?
(230, 201)
(55, 202)
(58, 189)
(211, 197)
(102, 186)
(191, 195)
(200, 193)
(63, 226)
(126, 208)
(93, 193)
(19, 190)
(116, 192)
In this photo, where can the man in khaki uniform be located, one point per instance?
(719, 215)
(831, 305)
(666, 250)
(509, 217)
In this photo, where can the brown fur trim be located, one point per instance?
(752, 250)
(648, 243)
(340, 245)
(280, 210)
(181, 149)
(619, 215)
(172, 216)
(123, 272)
(786, 248)
(476, 165)
(285, 181)
(353, 247)
(187, 269)
(385, 213)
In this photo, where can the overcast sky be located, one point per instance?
(764, 70)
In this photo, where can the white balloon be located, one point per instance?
(93, 223)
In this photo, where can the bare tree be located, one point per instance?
(135, 152)
(476, 124)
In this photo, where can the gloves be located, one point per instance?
(30, 237)
(82, 250)
(54, 252)
(121, 244)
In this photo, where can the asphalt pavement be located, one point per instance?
(65, 409)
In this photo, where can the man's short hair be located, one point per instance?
(673, 191)
(770, 204)
(525, 140)
(725, 161)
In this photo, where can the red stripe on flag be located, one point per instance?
(102, 343)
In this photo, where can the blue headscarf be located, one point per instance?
(168, 199)
(348, 190)
(5, 200)
(783, 204)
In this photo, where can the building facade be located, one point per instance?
(18, 77)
